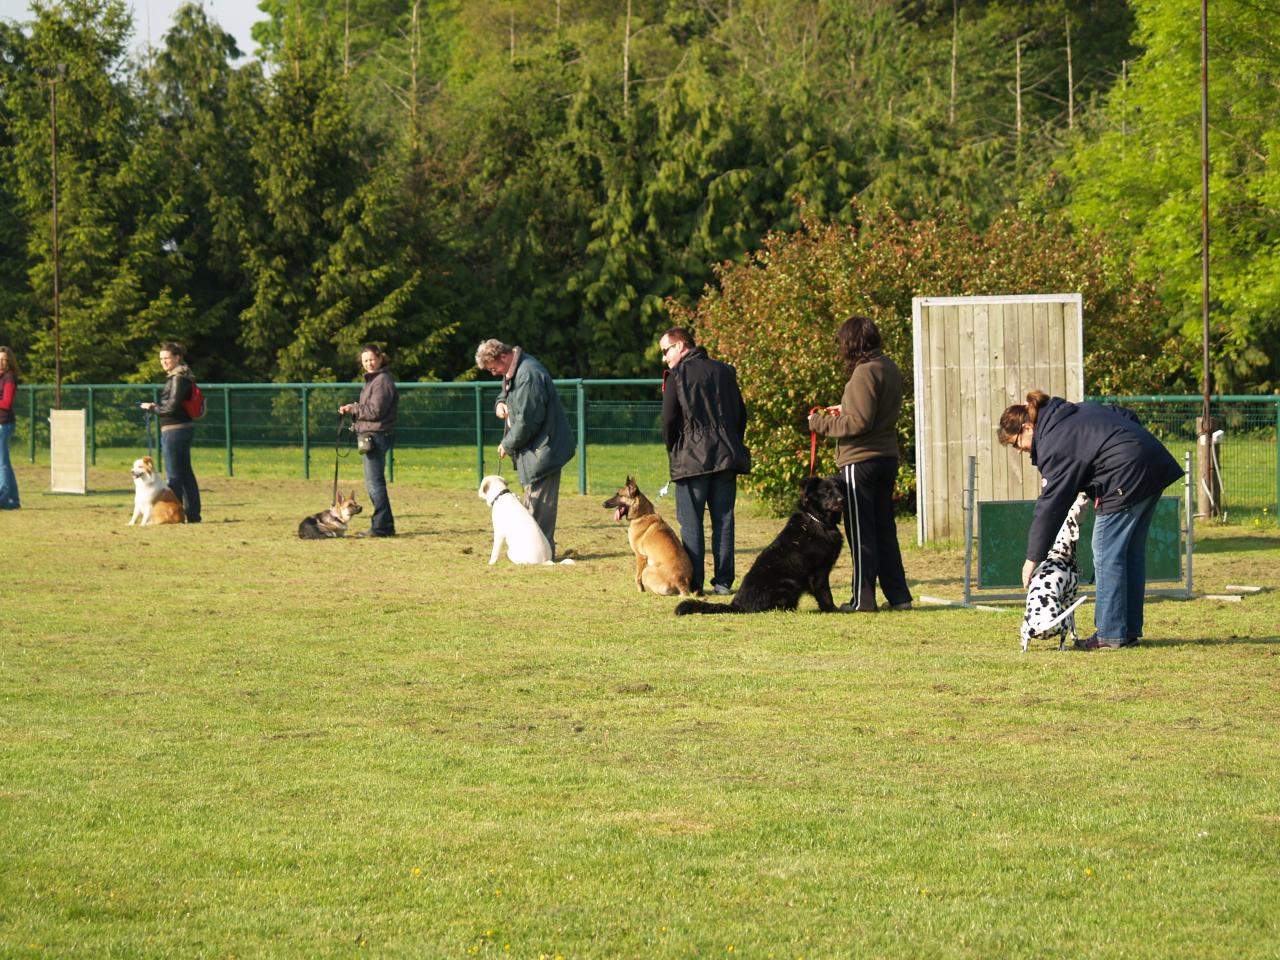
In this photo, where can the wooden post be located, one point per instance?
(626, 63)
(1071, 85)
(955, 51)
(1017, 99)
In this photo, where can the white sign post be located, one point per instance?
(68, 464)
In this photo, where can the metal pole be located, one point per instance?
(968, 531)
(1208, 487)
(57, 311)
(306, 445)
(226, 426)
(582, 439)
(93, 432)
(479, 436)
(1186, 498)
(31, 419)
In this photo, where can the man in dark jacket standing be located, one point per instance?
(537, 435)
(375, 420)
(703, 424)
(1104, 452)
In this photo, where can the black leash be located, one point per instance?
(338, 455)
(148, 416)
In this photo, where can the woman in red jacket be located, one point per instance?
(8, 395)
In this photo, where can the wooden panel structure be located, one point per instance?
(974, 356)
(68, 465)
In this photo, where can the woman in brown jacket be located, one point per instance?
(865, 428)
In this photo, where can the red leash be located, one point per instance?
(813, 437)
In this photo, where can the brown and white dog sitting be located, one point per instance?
(153, 501)
(662, 565)
(332, 522)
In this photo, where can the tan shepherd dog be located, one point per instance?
(331, 523)
(661, 562)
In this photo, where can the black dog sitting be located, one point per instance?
(798, 561)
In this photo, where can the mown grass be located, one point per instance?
(218, 740)
(453, 467)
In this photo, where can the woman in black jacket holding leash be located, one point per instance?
(1106, 453)
(375, 421)
(177, 429)
(865, 426)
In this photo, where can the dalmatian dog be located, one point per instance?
(1051, 596)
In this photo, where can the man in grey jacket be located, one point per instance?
(537, 435)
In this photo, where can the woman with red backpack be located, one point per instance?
(177, 427)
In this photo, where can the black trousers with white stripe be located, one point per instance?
(872, 535)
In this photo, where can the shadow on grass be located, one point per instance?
(1211, 642)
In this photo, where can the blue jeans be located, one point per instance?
(382, 523)
(719, 492)
(1120, 566)
(175, 447)
(8, 482)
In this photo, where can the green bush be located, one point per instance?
(774, 317)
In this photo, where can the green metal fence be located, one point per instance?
(303, 417)
(1248, 455)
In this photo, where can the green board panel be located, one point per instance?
(1002, 542)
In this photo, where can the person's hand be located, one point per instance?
(834, 411)
(346, 408)
(147, 406)
(501, 410)
(502, 451)
(1028, 569)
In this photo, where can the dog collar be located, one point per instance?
(504, 493)
(813, 518)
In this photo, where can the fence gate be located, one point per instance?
(974, 356)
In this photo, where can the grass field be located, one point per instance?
(220, 741)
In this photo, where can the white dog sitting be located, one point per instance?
(513, 525)
(1051, 595)
(153, 501)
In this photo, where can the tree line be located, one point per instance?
(558, 173)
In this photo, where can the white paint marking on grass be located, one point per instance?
(1237, 588)
(939, 602)
(1233, 597)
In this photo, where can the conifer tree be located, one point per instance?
(122, 275)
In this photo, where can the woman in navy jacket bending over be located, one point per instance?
(1106, 453)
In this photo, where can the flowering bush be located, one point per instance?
(774, 317)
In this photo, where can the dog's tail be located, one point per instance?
(1040, 629)
(701, 606)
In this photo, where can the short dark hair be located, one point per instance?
(172, 346)
(679, 335)
(371, 348)
(859, 338)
